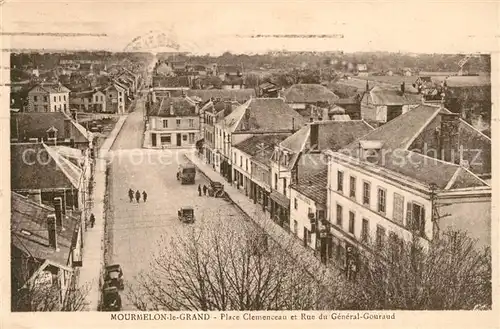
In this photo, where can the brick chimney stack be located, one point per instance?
(52, 231)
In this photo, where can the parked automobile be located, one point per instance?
(113, 276)
(186, 214)
(111, 299)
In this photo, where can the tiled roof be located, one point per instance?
(36, 166)
(405, 133)
(171, 82)
(53, 88)
(269, 114)
(405, 127)
(182, 106)
(392, 96)
(309, 93)
(260, 145)
(296, 142)
(314, 186)
(26, 125)
(239, 95)
(29, 217)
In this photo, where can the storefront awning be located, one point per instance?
(280, 199)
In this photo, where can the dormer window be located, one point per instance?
(51, 133)
(370, 149)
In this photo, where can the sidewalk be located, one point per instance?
(93, 251)
(293, 245)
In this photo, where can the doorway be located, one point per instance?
(153, 139)
(179, 140)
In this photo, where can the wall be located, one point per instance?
(300, 215)
(186, 123)
(470, 214)
(282, 174)
(370, 211)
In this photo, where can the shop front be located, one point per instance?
(280, 209)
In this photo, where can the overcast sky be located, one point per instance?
(218, 26)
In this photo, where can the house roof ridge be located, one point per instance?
(453, 178)
(421, 129)
(61, 163)
(475, 129)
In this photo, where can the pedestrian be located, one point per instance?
(144, 196)
(138, 196)
(199, 190)
(131, 194)
(92, 220)
(204, 189)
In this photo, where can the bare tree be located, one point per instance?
(224, 267)
(450, 274)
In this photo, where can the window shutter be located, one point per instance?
(422, 222)
(409, 223)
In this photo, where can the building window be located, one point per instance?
(246, 164)
(381, 200)
(340, 181)
(415, 218)
(295, 204)
(364, 230)
(366, 193)
(284, 186)
(165, 123)
(165, 139)
(241, 161)
(379, 242)
(352, 187)
(120, 93)
(352, 217)
(339, 215)
(178, 122)
(120, 99)
(64, 107)
(307, 236)
(64, 97)
(191, 123)
(55, 108)
(45, 98)
(275, 181)
(191, 138)
(398, 212)
(295, 227)
(59, 98)
(184, 138)
(35, 98)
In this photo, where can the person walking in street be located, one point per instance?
(199, 190)
(204, 190)
(144, 196)
(138, 196)
(92, 220)
(131, 194)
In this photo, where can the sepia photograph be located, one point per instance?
(248, 161)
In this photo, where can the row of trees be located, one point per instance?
(223, 268)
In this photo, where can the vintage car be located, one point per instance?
(111, 299)
(113, 276)
(186, 214)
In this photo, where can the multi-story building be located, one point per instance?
(48, 98)
(381, 188)
(173, 122)
(256, 116)
(251, 166)
(88, 101)
(115, 99)
(302, 96)
(300, 155)
(381, 105)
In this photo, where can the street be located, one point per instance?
(134, 228)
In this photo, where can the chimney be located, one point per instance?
(449, 137)
(171, 108)
(52, 231)
(402, 87)
(314, 136)
(58, 212)
(36, 197)
(367, 86)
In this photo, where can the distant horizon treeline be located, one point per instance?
(375, 61)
